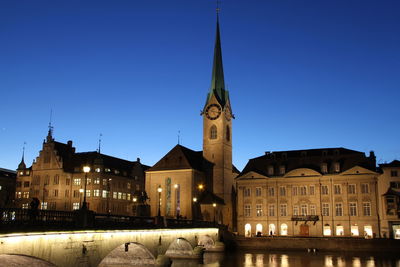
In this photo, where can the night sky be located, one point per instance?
(301, 75)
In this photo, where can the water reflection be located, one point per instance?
(291, 259)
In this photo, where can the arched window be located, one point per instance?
(327, 229)
(284, 229)
(228, 133)
(213, 132)
(247, 230)
(259, 229)
(272, 229)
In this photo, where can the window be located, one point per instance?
(115, 195)
(395, 185)
(336, 165)
(365, 188)
(303, 209)
(247, 210)
(393, 173)
(270, 170)
(18, 184)
(294, 190)
(107, 170)
(325, 209)
(128, 185)
(271, 191)
(25, 195)
(26, 184)
(88, 181)
(97, 170)
(313, 210)
(353, 209)
(295, 210)
(96, 181)
(327, 229)
(77, 181)
(76, 193)
(271, 210)
(67, 193)
(367, 209)
(258, 191)
(105, 194)
(55, 192)
(124, 196)
(128, 196)
(324, 190)
(352, 189)
(282, 191)
(324, 168)
(213, 132)
(303, 190)
(88, 193)
(43, 205)
(259, 210)
(337, 189)
(283, 210)
(56, 179)
(75, 206)
(96, 192)
(25, 206)
(46, 180)
(247, 192)
(119, 195)
(339, 209)
(282, 170)
(67, 181)
(228, 133)
(312, 190)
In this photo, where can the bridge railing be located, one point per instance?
(12, 219)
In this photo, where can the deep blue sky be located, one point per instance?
(301, 74)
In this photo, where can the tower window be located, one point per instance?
(213, 132)
(228, 133)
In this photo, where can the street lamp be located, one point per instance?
(86, 169)
(214, 205)
(159, 189)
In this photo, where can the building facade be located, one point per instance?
(317, 192)
(389, 199)
(56, 178)
(7, 187)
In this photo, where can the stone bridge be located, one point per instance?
(90, 248)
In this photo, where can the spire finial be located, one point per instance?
(99, 142)
(22, 165)
(50, 133)
(23, 151)
(218, 9)
(179, 137)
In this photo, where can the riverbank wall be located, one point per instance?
(378, 245)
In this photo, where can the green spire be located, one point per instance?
(217, 80)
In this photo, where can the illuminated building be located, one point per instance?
(7, 187)
(57, 180)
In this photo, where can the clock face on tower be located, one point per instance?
(213, 111)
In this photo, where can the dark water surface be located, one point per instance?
(252, 258)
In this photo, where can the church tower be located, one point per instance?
(217, 130)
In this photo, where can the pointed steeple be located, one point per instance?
(21, 165)
(217, 79)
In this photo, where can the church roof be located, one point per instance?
(310, 158)
(180, 157)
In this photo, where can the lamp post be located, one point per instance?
(86, 169)
(159, 190)
(214, 205)
(80, 197)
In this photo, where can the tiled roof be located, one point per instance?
(310, 158)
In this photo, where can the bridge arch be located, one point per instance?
(129, 254)
(23, 260)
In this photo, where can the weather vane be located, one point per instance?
(100, 141)
(218, 8)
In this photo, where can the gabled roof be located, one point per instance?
(181, 157)
(311, 159)
(208, 198)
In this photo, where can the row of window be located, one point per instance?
(354, 230)
(79, 193)
(77, 182)
(305, 209)
(307, 190)
(282, 168)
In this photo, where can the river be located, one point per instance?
(252, 258)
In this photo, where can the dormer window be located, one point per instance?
(324, 167)
(282, 170)
(336, 166)
(270, 170)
